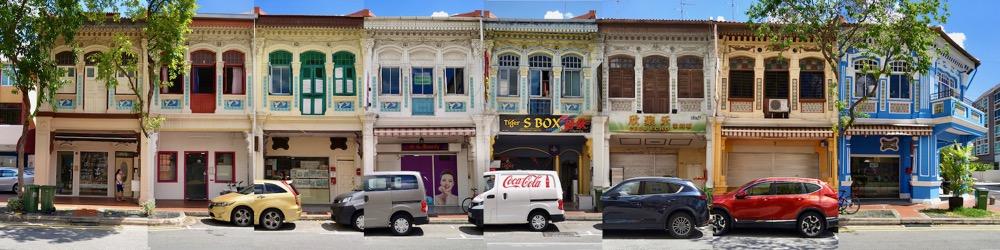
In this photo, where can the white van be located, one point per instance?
(518, 197)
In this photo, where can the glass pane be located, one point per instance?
(94, 173)
(64, 173)
(759, 189)
(224, 167)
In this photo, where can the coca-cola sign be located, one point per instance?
(526, 181)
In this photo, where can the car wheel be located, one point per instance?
(242, 217)
(811, 224)
(538, 221)
(680, 225)
(721, 222)
(14, 188)
(272, 219)
(359, 222)
(401, 224)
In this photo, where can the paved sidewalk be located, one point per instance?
(905, 212)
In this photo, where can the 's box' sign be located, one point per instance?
(545, 123)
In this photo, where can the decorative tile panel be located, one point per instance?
(868, 106)
(831, 95)
(622, 104)
(742, 106)
(507, 107)
(280, 106)
(570, 108)
(899, 107)
(125, 104)
(390, 106)
(812, 107)
(725, 92)
(233, 105)
(343, 106)
(455, 107)
(689, 104)
(65, 104)
(170, 104)
(795, 94)
(759, 89)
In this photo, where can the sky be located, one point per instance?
(968, 22)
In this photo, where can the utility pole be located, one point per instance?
(681, 5)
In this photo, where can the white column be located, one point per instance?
(44, 165)
(600, 151)
(709, 152)
(147, 165)
(251, 163)
(258, 161)
(368, 144)
(484, 149)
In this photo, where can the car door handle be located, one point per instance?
(260, 197)
(366, 198)
(490, 196)
(504, 196)
(635, 203)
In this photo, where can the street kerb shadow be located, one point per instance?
(772, 239)
(54, 234)
(332, 226)
(700, 234)
(215, 223)
(379, 232)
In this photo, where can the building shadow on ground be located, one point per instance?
(54, 234)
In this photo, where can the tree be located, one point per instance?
(29, 29)
(957, 167)
(890, 30)
(164, 26)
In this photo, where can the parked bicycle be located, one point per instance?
(232, 187)
(848, 204)
(467, 202)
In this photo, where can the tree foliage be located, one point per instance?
(29, 30)
(957, 166)
(886, 30)
(163, 28)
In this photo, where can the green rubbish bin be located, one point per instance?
(30, 198)
(982, 196)
(47, 196)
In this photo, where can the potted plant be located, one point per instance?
(957, 167)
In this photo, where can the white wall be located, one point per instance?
(987, 176)
(181, 142)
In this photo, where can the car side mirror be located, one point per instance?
(741, 195)
(614, 196)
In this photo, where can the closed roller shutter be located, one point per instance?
(645, 165)
(744, 167)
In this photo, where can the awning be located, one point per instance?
(100, 137)
(425, 131)
(763, 132)
(890, 130)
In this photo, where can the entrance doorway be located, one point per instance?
(93, 174)
(195, 175)
(875, 177)
(64, 173)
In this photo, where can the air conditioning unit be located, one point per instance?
(777, 105)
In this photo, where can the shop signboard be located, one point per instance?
(425, 147)
(658, 123)
(545, 123)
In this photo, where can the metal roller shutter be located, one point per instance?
(744, 167)
(644, 165)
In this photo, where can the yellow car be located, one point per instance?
(266, 203)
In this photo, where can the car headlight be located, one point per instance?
(221, 204)
(345, 200)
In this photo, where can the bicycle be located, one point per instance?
(848, 204)
(467, 202)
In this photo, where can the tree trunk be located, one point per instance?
(25, 115)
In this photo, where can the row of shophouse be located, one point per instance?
(322, 100)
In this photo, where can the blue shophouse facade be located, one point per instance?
(894, 152)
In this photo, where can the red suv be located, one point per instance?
(808, 205)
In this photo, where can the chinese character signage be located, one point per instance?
(545, 123)
(659, 123)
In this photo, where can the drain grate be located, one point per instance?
(560, 234)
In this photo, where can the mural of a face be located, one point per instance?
(447, 181)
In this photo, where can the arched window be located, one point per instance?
(313, 86)
(864, 82)
(690, 77)
(899, 80)
(811, 75)
(507, 74)
(572, 79)
(621, 77)
(280, 68)
(233, 73)
(741, 77)
(539, 84)
(655, 85)
(776, 78)
(90, 62)
(343, 73)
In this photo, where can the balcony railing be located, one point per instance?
(954, 107)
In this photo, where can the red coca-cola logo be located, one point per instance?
(527, 181)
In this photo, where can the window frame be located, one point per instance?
(273, 64)
(451, 76)
(398, 83)
(423, 88)
(623, 65)
(176, 165)
(572, 65)
(734, 84)
(227, 67)
(509, 65)
(10, 107)
(348, 73)
(232, 166)
(804, 71)
(696, 89)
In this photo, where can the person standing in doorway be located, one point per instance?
(119, 185)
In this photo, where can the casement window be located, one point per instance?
(508, 77)
(690, 77)
(166, 167)
(66, 61)
(344, 77)
(280, 69)
(811, 74)
(454, 81)
(10, 114)
(313, 83)
(621, 77)
(203, 72)
(572, 78)
(741, 77)
(233, 76)
(946, 86)
(655, 84)
(540, 75)
(390, 81)
(90, 64)
(174, 78)
(225, 167)
(864, 81)
(7, 73)
(899, 80)
(776, 78)
(423, 81)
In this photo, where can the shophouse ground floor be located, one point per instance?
(748, 153)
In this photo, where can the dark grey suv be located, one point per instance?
(662, 203)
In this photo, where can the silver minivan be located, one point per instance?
(394, 200)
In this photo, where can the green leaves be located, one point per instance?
(957, 166)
